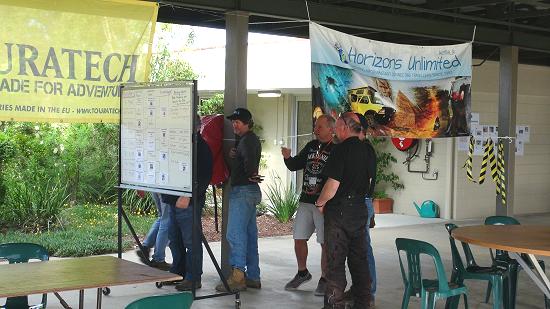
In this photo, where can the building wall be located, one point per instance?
(416, 188)
(273, 115)
(532, 170)
(457, 197)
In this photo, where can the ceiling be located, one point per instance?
(522, 23)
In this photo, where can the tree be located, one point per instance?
(164, 65)
(212, 106)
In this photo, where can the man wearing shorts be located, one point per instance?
(311, 159)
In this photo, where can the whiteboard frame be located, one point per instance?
(194, 101)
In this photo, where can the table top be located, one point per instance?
(75, 274)
(530, 239)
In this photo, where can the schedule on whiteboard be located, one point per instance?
(156, 137)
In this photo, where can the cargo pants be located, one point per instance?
(345, 227)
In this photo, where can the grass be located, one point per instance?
(85, 230)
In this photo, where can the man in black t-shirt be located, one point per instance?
(311, 159)
(342, 201)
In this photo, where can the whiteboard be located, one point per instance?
(156, 147)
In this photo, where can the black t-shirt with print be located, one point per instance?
(349, 163)
(312, 159)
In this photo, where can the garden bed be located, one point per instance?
(268, 226)
(91, 230)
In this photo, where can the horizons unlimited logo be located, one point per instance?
(341, 53)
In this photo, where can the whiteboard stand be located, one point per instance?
(197, 235)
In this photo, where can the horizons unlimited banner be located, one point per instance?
(63, 60)
(403, 90)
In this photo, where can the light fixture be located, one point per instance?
(269, 93)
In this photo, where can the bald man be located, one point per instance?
(342, 201)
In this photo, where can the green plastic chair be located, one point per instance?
(501, 259)
(430, 290)
(498, 277)
(173, 301)
(22, 253)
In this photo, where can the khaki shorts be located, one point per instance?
(308, 220)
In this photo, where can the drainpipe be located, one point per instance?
(450, 185)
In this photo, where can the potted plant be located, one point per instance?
(384, 177)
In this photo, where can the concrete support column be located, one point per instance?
(507, 106)
(236, 27)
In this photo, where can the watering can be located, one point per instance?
(428, 209)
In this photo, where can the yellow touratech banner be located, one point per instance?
(63, 60)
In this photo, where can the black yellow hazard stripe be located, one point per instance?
(501, 172)
(483, 169)
(495, 175)
(469, 160)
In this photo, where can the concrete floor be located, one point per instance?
(278, 266)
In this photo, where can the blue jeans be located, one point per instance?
(158, 234)
(370, 255)
(181, 240)
(242, 231)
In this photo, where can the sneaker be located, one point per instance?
(253, 284)
(160, 265)
(297, 281)
(187, 285)
(144, 255)
(321, 287)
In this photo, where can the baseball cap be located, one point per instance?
(363, 121)
(241, 114)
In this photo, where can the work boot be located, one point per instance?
(297, 281)
(160, 265)
(236, 282)
(144, 256)
(253, 284)
(321, 287)
(187, 285)
(371, 304)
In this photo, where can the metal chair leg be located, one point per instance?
(62, 301)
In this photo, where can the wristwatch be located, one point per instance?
(318, 206)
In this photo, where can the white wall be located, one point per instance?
(276, 127)
(456, 196)
(532, 171)
(417, 189)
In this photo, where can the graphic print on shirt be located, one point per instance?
(316, 161)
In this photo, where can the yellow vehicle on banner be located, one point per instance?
(364, 101)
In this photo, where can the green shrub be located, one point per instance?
(262, 209)
(86, 230)
(91, 160)
(283, 201)
(137, 205)
(34, 202)
(212, 105)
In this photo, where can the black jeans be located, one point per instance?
(345, 223)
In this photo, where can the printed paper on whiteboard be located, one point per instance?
(156, 126)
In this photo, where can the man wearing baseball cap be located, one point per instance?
(245, 195)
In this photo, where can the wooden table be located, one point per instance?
(76, 274)
(516, 239)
